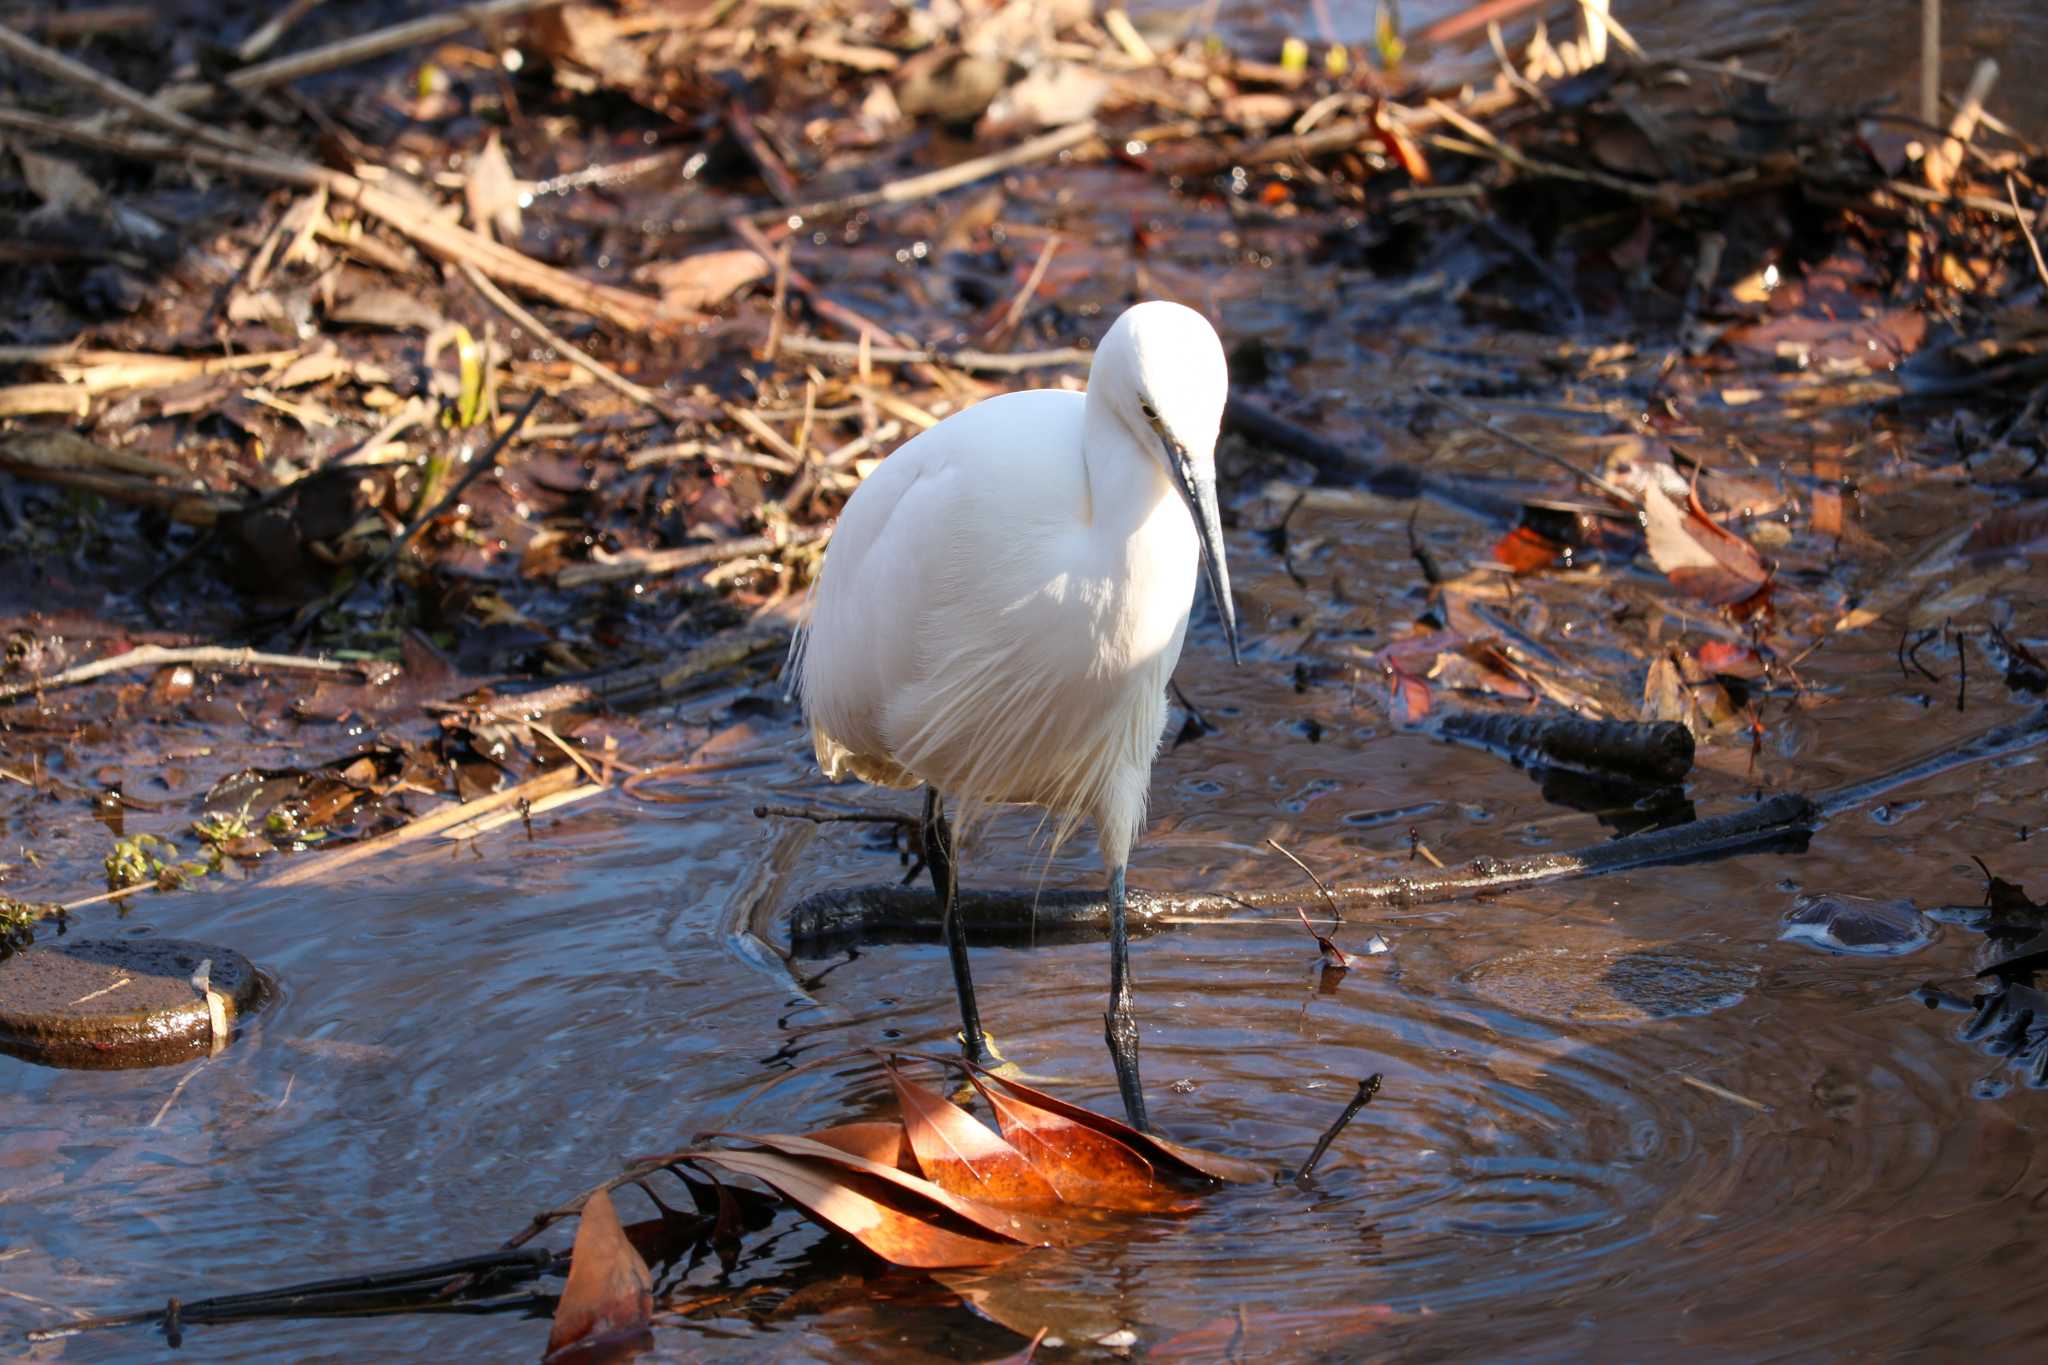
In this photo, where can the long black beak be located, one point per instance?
(1198, 490)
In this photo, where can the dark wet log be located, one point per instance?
(412, 1289)
(1658, 754)
(822, 922)
(825, 921)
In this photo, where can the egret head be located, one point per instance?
(1161, 368)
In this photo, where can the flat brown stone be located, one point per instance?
(106, 1003)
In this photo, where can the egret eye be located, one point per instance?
(1145, 406)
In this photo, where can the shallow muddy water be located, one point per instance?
(1620, 1118)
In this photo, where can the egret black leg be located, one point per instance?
(938, 855)
(1120, 1026)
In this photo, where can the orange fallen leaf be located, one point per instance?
(1017, 1225)
(1086, 1166)
(1214, 1165)
(609, 1297)
(881, 1143)
(887, 1220)
(956, 1152)
(1526, 550)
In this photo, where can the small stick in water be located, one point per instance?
(1367, 1088)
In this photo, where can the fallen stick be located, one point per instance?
(446, 240)
(826, 921)
(931, 184)
(986, 362)
(409, 1289)
(575, 355)
(158, 656)
(363, 47)
(1659, 753)
(865, 913)
(627, 687)
(658, 563)
(1945, 158)
(303, 870)
(57, 66)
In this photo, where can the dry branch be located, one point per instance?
(158, 656)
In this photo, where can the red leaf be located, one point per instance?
(1701, 559)
(1730, 659)
(1526, 550)
(610, 1294)
(956, 1152)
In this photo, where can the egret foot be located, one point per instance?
(1120, 1025)
(938, 855)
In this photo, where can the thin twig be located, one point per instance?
(658, 563)
(305, 870)
(987, 362)
(575, 355)
(446, 240)
(1465, 410)
(1367, 1088)
(478, 467)
(931, 184)
(363, 47)
(60, 67)
(2026, 232)
(157, 656)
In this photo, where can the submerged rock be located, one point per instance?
(1839, 923)
(108, 1003)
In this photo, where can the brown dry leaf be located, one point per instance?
(589, 37)
(883, 1143)
(956, 1152)
(1017, 1225)
(704, 280)
(610, 1294)
(61, 186)
(1701, 559)
(494, 194)
(1087, 1166)
(1664, 692)
(881, 1217)
(1191, 1159)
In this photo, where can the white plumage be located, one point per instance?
(1005, 597)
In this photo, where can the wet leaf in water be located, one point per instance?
(1085, 1165)
(1730, 659)
(1191, 1159)
(609, 1298)
(885, 1219)
(1018, 1225)
(1526, 550)
(1701, 558)
(882, 1143)
(956, 1152)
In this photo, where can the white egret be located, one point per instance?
(1003, 601)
